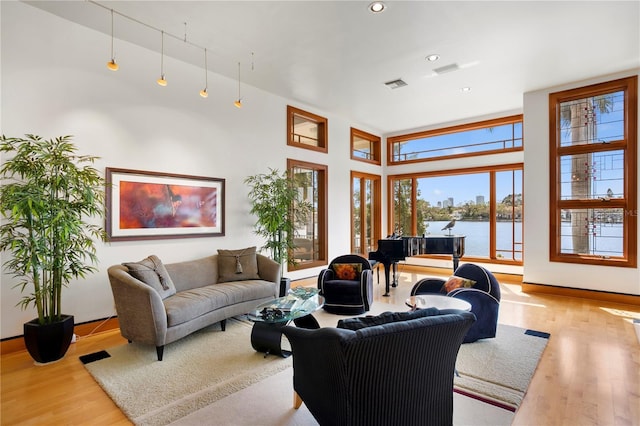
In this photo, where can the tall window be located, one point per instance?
(593, 174)
(403, 221)
(306, 130)
(365, 146)
(365, 211)
(311, 237)
(485, 137)
(487, 204)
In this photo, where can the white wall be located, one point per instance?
(55, 82)
(537, 267)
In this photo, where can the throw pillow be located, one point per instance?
(237, 265)
(347, 271)
(385, 318)
(152, 272)
(457, 282)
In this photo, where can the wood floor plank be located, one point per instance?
(588, 374)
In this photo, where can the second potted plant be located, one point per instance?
(279, 206)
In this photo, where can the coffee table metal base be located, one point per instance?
(267, 337)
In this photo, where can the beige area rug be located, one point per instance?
(217, 376)
(499, 370)
(271, 404)
(196, 371)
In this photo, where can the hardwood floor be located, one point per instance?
(589, 373)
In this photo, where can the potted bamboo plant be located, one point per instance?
(279, 206)
(48, 194)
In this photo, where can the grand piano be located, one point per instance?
(393, 249)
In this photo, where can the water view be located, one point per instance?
(477, 237)
(606, 242)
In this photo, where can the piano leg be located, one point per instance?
(395, 275)
(386, 279)
(456, 260)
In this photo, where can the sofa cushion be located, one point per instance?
(194, 273)
(190, 304)
(237, 265)
(385, 318)
(152, 272)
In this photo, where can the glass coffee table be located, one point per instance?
(270, 317)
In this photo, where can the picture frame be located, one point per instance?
(146, 205)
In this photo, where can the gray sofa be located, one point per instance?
(158, 304)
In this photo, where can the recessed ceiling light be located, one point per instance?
(432, 58)
(377, 7)
(465, 89)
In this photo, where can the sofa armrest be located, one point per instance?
(324, 275)
(428, 286)
(366, 281)
(319, 364)
(140, 310)
(269, 270)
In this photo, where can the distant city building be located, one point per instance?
(439, 204)
(480, 199)
(448, 202)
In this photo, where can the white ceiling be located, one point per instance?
(336, 55)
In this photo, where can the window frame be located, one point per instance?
(492, 258)
(375, 142)
(377, 210)
(391, 140)
(628, 145)
(321, 122)
(321, 212)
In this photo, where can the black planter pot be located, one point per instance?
(49, 342)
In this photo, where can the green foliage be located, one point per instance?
(278, 204)
(48, 192)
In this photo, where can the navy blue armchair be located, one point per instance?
(393, 369)
(347, 285)
(484, 297)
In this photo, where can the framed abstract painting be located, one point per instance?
(143, 205)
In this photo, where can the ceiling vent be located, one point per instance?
(447, 68)
(394, 84)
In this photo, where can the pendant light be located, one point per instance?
(238, 103)
(161, 81)
(204, 92)
(112, 63)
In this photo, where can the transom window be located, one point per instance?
(306, 130)
(365, 147)
(593, 174)
(481, 138)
